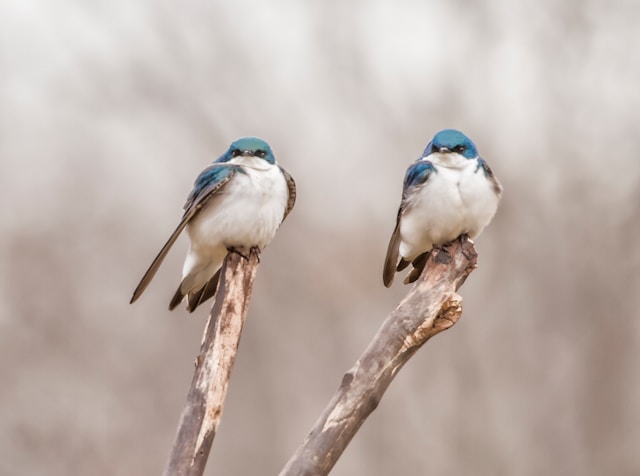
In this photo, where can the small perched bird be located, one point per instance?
(449, 191)
(237, 203)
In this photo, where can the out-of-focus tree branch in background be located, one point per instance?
(109, 110)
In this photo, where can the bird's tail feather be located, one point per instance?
(418, 266)
(206, 292)
(403, 263)
(195, 297)
(177, 298)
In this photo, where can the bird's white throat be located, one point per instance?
(451, 160)
(252, 162)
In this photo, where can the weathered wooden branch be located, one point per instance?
(429, 308)
(205, 401)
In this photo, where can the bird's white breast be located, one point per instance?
(246, 213)
(458, 198)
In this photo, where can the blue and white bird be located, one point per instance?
(237, 203)
(449, 191)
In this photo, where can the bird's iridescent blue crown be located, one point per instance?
(252, 146)
(451, 140)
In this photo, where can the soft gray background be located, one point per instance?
(108, 110)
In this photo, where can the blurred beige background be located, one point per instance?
(108, 110)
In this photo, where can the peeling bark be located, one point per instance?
(205, 401)
(430, 307)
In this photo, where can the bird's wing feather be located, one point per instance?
(392, 254)
(291, 185)
(497, 187)
(209, 183)
(417, 174)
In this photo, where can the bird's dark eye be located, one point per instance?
(235, 152)
(459, 149)
(261, 153)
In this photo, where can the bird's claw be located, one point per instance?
(233, 249)
(254, 250)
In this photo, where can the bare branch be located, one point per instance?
(429, 308)
(205, 401)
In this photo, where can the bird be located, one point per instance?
(237, 204)
(448, 191)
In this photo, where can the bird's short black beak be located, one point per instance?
(442, 150)
(247, 153)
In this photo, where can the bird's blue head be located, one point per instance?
(248, 147)
(451, 141)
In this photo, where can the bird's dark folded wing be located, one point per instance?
(209, 183)
(417, 174)
(391, 259)
(291, 185)
(495, 183)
